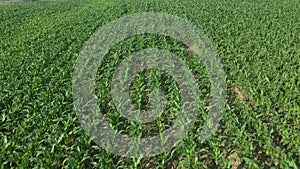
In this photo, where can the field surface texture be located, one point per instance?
(257, 42)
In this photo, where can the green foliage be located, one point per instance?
(257, 41)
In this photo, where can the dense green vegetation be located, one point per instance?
(257, 41)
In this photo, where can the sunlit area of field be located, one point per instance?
(257, 42)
